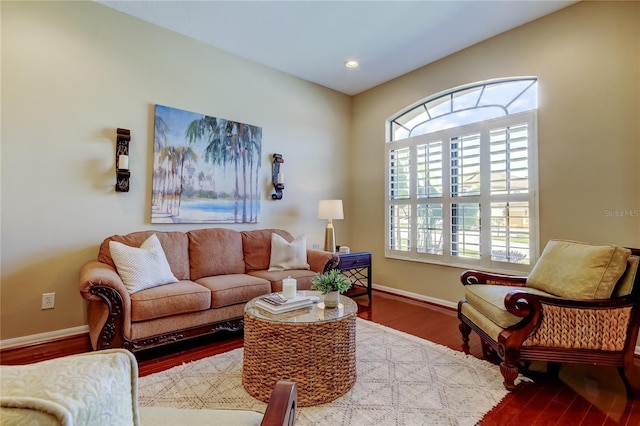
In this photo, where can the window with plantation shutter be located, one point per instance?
(462, 177)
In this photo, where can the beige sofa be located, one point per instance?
(217, 271)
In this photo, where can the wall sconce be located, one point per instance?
(123, 136)
(277, 177)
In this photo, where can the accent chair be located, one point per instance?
(580, 304)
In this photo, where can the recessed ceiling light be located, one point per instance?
(351, 63)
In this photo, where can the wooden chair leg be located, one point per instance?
(553, 369)
(465, 331)
(631, 380)
(510, 373)
(489, 354)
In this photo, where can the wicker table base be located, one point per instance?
(319, 356)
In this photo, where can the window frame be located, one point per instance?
(484, 127)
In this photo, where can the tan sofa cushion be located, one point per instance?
(577, 270)
(215, 251)
(234, 288)
(256, 246)
(174, 244)
(168, 300)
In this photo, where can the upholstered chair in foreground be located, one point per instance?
(101, 388)
(580, 304)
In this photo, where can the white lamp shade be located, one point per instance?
(330, 209)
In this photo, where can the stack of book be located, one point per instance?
(276, 304)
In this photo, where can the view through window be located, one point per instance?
(462, 177)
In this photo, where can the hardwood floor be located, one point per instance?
(580, 395)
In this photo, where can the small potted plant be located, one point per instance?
(331, 284)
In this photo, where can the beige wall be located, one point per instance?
(587, 59)
(72, 72)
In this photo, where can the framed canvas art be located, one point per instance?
(205, 169)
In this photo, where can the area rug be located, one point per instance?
(401, 380)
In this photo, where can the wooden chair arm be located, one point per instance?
(479, 277)
(558, 322)
(515, 300)
(281, 409)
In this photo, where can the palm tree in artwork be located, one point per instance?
(250, 137)
(166, 178)
(160, 142)
(183, 154)
(221, 147)
(229, 142)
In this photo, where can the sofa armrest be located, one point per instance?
(95, 273)
(109, 311)
(281, 409)
(322, 261)
(479, 277)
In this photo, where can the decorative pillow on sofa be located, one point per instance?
(579, 271)
(144, 267)
(288, 255)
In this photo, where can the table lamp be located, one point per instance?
(330, 209)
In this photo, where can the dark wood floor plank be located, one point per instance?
(633, 414)
(576, 412)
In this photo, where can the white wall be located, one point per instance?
(73, 72)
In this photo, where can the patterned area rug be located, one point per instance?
(401, 380)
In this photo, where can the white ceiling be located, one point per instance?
(313, 39)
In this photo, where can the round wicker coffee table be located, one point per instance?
(313, 346)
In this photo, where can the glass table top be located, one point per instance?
(314, 313)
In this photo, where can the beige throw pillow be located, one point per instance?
(579, 271)
(288, 255)
(144, 267)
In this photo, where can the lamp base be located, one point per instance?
(329, 239)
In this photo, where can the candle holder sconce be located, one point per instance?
(123, 136)
(277, 177)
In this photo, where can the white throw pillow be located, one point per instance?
(144, 267)
(288, 255)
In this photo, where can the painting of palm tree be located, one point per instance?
(205, 169)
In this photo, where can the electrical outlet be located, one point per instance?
(48, 300)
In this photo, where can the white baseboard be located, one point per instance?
(441, 302)
(417, 296)
(43, 337)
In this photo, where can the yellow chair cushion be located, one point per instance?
(489, 301)
(579, 271)
(625, 285)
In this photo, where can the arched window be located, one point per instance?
(462, 177)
